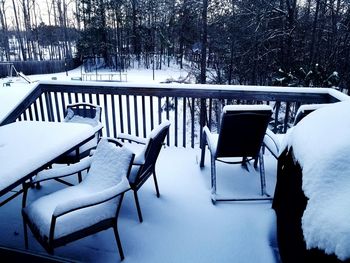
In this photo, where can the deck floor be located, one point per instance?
(182, 225)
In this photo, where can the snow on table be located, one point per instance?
(321, 145)
(28, 145)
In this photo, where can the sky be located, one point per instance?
(41, 10)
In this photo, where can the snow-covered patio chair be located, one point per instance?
(146, 157)
(272, 141)
(82, 113)
(84, 209)
(239, 140)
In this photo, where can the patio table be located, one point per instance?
(26, 147)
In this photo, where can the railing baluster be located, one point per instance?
(202, 118)
(176, 122)
(210, 120)
(57, 108)
(41, 108)
(25, 115)
(121, 113)
(143, 116)
(286, 117)
(192, 122)
(49, 106)
(36, 111)
(277, 109)
(167, 117)
(98, 99)
(69, 98)
(128, 113)
(159, 110)
(136, 117)
(76, 97)
(30, 113)
(184, 122)
(151, 111)
(114, 116)
(63, 104)
(105, 104)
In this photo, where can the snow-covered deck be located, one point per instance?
(181, 226)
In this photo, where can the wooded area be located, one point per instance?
(243, 41)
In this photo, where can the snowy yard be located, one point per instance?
(181, 226)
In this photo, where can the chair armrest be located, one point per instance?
(113, 140)
(271, 142)
(211, 141)
(125, 136)
(63, 171)
(93, 199)
(82, 104)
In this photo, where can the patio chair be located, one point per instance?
(81, 113)
(145, 161)
(239, 140)
(78, 211)
(272, 141)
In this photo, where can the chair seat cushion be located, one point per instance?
(40, 212)
(109, 165)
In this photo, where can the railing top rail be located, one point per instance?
(239, 92)
(200, 90)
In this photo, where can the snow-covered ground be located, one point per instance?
(182, 225)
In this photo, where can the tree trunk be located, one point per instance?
(204, 42)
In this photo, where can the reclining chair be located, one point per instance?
(239, 140)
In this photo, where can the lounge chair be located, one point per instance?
(239, 140)
(84, 209)
(272, 141)
(145, 161)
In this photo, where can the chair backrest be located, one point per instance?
(242, 130)
(153, 147)
(109, 164)
(80, 111)
(305, 110)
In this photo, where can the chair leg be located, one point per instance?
(119, 244)
(156, 183)
(25, 234)
(79, 177)
(138, 206)
(213, 180)
(262, 174)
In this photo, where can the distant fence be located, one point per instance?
(38, 67)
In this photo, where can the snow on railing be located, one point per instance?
(137, 108)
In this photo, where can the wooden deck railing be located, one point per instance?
(136, 109)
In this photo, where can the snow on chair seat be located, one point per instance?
(84, 209)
